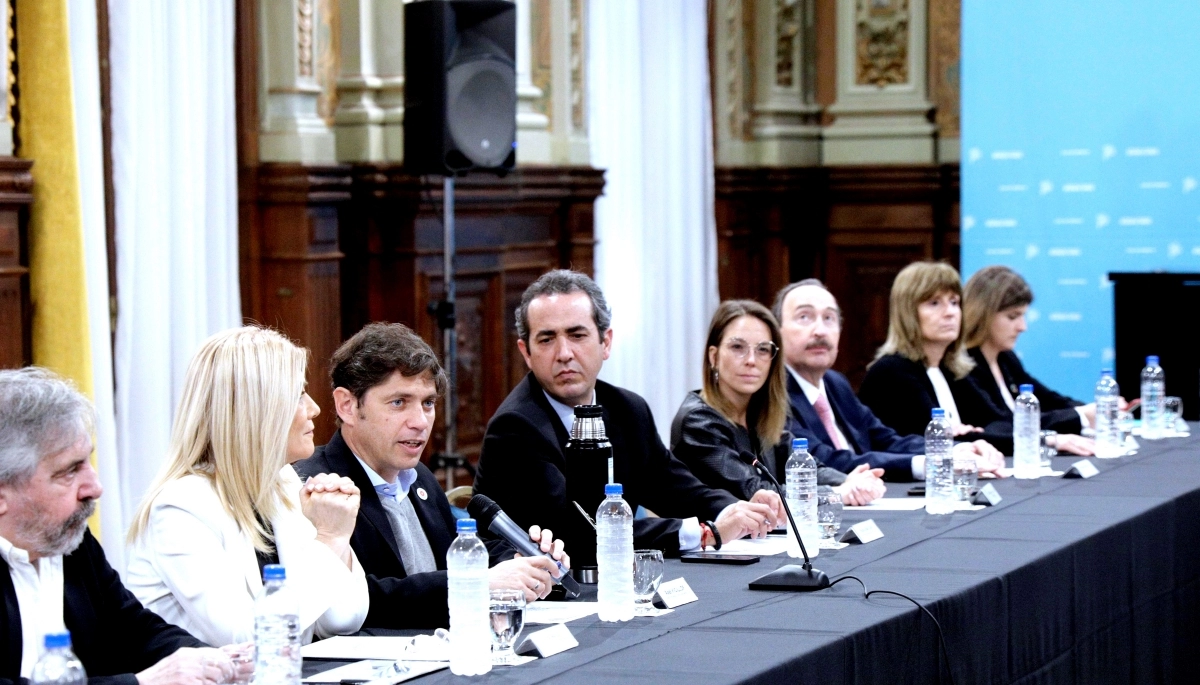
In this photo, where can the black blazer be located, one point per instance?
(991, 411)
(873, 442)
(398, 600)
(113, 635)
(720, 453)
(899, 392)
(523, 467)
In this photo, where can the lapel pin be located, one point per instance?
(422, 494)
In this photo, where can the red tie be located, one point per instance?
(826, 413)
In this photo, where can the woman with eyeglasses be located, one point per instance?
(741, 412)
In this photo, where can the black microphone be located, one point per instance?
(791, 578)
(489, 515)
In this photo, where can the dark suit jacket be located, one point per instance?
(721, 453)
(989, 408)
(871, 441)
(113, 635)
(398, 600)
(899, 392)
(524, 468)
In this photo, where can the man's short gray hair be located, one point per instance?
(777, 308)
(563, 282)
(41, 414)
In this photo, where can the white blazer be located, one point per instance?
(196, 569)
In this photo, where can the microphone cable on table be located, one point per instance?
(941, 637)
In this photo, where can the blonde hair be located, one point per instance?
(769, 404)
(990, 291)
(239, 396)
(915, 284)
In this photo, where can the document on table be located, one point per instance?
(545, 613)
(367, 671)
(419, 648)
(763, 547)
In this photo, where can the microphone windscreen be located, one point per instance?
(483, 510)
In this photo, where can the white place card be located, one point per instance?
(548, 641)
(863, 532)
(675, 593)
(987, 496)
(1081, 469)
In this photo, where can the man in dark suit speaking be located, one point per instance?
(564, 336)
(53, 573)
(386, 382)
(842, 432)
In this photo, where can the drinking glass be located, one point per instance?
(1172, 414)
(1049, 447)
(506, 612)
(966, 474)
(829, 514)
(647, 574)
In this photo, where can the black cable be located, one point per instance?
(427, 193)
(941, 637)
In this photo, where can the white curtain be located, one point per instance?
(175, 180)
(85, 88)
(651, 129)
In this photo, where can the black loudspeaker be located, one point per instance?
(460, 86)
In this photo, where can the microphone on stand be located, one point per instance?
(489, 515)
(789, 578)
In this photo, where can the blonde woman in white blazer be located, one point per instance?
(227, 501)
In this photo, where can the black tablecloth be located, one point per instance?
(1085, 581)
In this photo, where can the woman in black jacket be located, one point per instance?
(740, 413)
(996, 300)
(923, 358)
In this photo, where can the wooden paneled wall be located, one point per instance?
(326, 250)
(16, 193)
(852, 227)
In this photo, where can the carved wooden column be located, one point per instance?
(16, 194)
(291, 129)
(882, 105)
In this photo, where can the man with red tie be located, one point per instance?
(842, 432)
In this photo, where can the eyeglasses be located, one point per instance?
(740, 349)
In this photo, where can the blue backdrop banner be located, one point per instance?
(1081, 156)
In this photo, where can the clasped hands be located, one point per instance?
(202, 666)
(533, 575)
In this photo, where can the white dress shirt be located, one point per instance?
(945, 398)
(39, 588)
(812, 392)
(689, 529)
(195, 568)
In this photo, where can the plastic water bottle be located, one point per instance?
(939, 464)
(276, 631)
(614, 556)
(470, 629)
(1154, 393)
(58, 665)
(1027, 433)
(1108, 434)
(800, 489)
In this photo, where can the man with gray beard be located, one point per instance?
(53, 574)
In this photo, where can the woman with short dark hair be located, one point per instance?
(741, 412)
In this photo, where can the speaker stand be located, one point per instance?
(449, 458)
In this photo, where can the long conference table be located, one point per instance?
(1064, 581)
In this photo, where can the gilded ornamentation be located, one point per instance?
(304, 37)
(540, 60)
(578, 111)
(735, 111)
(881, 28)
(328, 57)
(10, 59)
(787, 33)
(945, 36)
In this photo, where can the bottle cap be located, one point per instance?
(1105, 372)
(274, 572)
(58, 640)
(937, 413)
(589, 411)
(1026, 388)
(799, 444)
(1152, 360)
(465, 526)
(612, 489)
